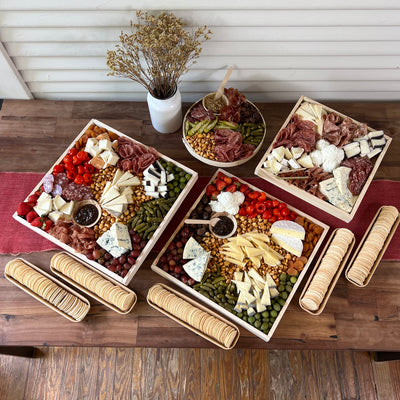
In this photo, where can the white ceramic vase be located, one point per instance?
(165, 114)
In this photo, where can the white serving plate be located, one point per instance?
(157, 233)
(220, 309)
(315, 201)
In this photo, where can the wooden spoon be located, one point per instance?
(220, 90)
(211, 221)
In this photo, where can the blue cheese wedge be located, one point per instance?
(193, 249)
(341, 175)
(197, 267)
(330, 189)
(116, 240)
(288, 228)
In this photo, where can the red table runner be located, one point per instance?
(16, 238)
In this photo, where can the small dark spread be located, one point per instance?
(86, 215)
(224, 226)
(213, 104)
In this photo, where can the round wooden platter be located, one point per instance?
(220, 164)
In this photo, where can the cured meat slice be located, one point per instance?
(361, 167)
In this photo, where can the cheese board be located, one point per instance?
(107, 199)
(252, 276)
(324, 157)
(227, 136)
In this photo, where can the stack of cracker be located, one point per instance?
(92, 282)
(328, 267)
(46, 290)
(369, 252)
(203, 322)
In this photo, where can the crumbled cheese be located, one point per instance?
(228, 202)
(327, 155)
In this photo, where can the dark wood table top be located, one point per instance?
(34, 133)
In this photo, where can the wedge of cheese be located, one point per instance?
(288, 228)
(193, 250)
(291, 244)
(197, 267)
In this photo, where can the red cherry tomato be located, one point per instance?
(71, 175)
(280, 218)
(293, 215)
(81, 170)
(58, 169)
(285, 211)
(67, 159)
(275, 203)
(276, 211)
(262, 196)
(89, 168)
(282, 205)
(76, 160)
(260, 207)
(87, 178)
(268, 203)
(242, 212)
(79, 180)
(69, 166)
(267, 214)
(73, 151)
(83, 156)
(272, 219)
(249, 210)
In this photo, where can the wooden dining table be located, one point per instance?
(33, 133)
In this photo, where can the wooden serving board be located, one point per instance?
(220, 309)
(379, 256)
(157, 233)
(335, 277)
(315, 201)
(190, 327)
(44, 301)
(90, 293)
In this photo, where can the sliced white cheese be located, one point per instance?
(297, 152)
(294, 164)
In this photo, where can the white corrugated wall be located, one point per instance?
(328, 50)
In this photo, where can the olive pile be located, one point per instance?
(214, 287)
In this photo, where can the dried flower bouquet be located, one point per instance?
(157, 52)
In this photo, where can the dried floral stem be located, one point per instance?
(157, 52)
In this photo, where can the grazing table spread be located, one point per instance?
(34, 133)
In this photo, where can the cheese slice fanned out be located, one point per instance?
(193, 249)
(288, 228)
(291, 244)
(197, 267)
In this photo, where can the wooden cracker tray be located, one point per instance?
(335, 277)
(42, 300)
(322, 204)
(157, 233)
(220, 309)
(200, 307)
(92, 294)
(380, 254)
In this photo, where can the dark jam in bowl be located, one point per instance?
(224, 226)
(86, 215)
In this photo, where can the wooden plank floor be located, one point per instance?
(145, 373)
